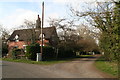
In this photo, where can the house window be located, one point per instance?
(41, 36)
(17, 40)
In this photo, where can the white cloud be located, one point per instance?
(17, 18)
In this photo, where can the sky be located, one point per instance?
(14, 12)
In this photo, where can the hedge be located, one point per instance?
(33, 49)
(16, 52)
(65, 52)
(48, 53)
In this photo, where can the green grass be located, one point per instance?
(84, 56)
(106, 66)
(40, 62)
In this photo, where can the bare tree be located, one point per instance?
(4, 34)
(64, 27)
(29, 28)
(87, 45)
(105, 17)
(100, 16)
(28, 24)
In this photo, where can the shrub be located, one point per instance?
(64, 52)
(48, 52)
(83, 53)
(4, 49)
(96, 51)
(16, 52)
(32, 50)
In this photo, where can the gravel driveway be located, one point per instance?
(79, 68)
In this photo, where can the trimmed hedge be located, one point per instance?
(33, 49)
(48, 53)
(65, 53)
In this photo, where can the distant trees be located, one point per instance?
(31, 26)
(4, 34)
(75, 40)
(65, 26)
(68, 38)
(87, 45)
(105, 16)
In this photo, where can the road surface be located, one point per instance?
(80, 68)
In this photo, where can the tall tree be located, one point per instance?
(4, 34)
(31, 26)
(65, 26)
(106, 18)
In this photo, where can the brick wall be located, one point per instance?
(20, 44)
(13, 44)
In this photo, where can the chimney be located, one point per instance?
(38, 22)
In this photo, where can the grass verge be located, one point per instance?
(107, 66)
(85, 56)
(40, 62)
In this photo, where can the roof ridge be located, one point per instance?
(32, 28)
(46, 30)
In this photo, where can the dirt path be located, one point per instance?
(79, 68)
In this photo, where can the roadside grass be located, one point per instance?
(49, 62)
(84, 56)
(107, 66)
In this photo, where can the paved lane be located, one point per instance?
(22, 70)
(80, 68)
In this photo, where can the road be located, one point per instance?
(79, 68)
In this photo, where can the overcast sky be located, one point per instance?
(14, 12)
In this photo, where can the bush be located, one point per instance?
(83, 53)
(4, 49)
(32, 50)
(16, 52)
(96, 51)
(48, 52)
(64, 52)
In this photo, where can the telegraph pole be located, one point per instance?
(42, 30)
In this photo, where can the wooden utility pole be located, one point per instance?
(42, 30)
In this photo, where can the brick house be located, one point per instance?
(23, 37)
